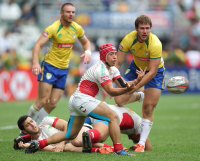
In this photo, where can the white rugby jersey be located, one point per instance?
(96, 77)
(47, 127)
(129, 121)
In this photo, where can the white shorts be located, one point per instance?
(81, 104)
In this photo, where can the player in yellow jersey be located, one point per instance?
(54, 69)
(147, 51)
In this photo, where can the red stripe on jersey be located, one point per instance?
(106, 82)
(119, 76)
(127, 122)
(65, 45)
(55, 121)
(89, 88)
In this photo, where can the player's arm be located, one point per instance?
(36, 52)
(117, 91)
(120, 58)
(86, 46)
(61, 125)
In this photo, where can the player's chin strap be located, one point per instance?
(108, 64)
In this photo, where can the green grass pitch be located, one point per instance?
(175, 134)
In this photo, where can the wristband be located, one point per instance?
(88, 52)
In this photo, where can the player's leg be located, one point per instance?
(56, 94)
(102, 127)
(129, 98)
(74, 126)
(152, 96)
(44, 92)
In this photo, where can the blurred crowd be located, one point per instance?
(19, 31)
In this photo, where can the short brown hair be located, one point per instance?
(143, 19)
(66, 4)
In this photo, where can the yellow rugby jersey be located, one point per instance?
(143, 52)
(62, 39)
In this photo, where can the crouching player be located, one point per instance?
(129, 123)
(48, 127)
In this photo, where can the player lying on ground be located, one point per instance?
(48, 127)
(129, 122)
(83, 102)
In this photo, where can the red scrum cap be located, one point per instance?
(105, 49)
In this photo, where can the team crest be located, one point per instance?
(133, 50)
(127, 71)
(60, 36)
(73, 36)
(48, 75)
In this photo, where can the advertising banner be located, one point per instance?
(18, 85)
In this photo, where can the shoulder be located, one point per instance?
(76, 26)
(154, 40)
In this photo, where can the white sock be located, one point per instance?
(141, 96)
(32, 112)
(40, 115)
(146, 128)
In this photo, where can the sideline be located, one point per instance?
(8, 127)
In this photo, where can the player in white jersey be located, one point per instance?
(129, 123)
(48, 127)
(83, 102)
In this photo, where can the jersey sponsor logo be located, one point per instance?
(45, 34)
(143, 59)
(48, 75)
(60, 36)
(104, 78)
(65, 45)
(121, 47)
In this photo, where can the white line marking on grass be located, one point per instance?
(8, 127)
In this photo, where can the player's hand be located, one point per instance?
(86, 58)
(23, 145)
(36, 69)
(17, 140)
(130, 86)
(59, 147)
(140, 73)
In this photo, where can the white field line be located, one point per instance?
(8, 127)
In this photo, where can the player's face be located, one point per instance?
(143, 30)
(31, 126)
(112, 58)
(68, 13)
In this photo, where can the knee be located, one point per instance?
(113, 116)
(148, 109)
(118, 101)
(43, 101)
(53, 103)
(77, 143)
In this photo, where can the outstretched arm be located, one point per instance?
(86, 46)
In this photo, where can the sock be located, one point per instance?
(95, 135)
(118, 147)
(40, 115)
(32, 112)
(27, 138)
(146, 128)
(43, 143)
(94, 149)
(141, 96)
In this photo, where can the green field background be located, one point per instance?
(175, 134)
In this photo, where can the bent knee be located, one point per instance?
(113, 116)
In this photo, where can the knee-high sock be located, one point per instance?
(146, 128)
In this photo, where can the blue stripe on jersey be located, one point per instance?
(100, 117)
(70, 124)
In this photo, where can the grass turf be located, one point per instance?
(174, 136)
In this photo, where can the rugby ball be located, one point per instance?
(177, 84)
